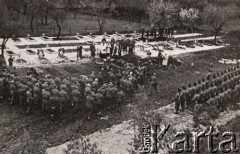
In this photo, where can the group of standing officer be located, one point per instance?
(54, 95)
(215, 94)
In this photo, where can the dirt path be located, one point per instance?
(117, 139)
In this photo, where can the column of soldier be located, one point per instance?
(54, 95)
(219, 91)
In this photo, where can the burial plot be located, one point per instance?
(66, 39)
(50, 51)
(10, 53)
(31, 52)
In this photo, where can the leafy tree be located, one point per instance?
(58, 16)
(218, 16)
(47, 6)
(135, 9)
(97, 8)
(163, 14)
(8, 27)
(189, 17)
(19, 6)
(33, 9)
(79, 145)
(74, 5)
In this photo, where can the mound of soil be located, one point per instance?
(131, 58)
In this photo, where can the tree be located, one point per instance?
(8, 27)
(47, 6)
(132, 9)
(189, 17)
(33, 9)
(217, 16)
(163, 14)
(19, 6)
(97, 8)
(74, 6)
(58, 16)
(79, 145)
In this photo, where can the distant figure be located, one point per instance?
(10, 61)
(93, 52)
(108, 63)
(61, 52)
(104, 40)
(40, 53)
(79, 52)
(160, 58)
(143, 32)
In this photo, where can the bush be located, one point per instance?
(82, 146)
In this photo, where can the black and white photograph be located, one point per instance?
(119, 76)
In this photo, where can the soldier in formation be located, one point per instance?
(54, 96)
(215, 94)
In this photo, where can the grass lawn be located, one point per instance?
(82, 24)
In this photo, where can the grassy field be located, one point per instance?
(82, 24)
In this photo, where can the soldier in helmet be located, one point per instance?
(54, 103)
(64, 87)
(45, 100)
(89, 105)
(36, 96)
(98, 99)
(100, 78)
(95, 85)
(188, 96)
(112, 77)
(153, 83)
(63, 100)
(197, 111)
(108, 97)
(177, 101)
(13, 90)
(76, 97)
(22, 91)
(29, 100)
(118, 78)
(121, 99)
(114, 92)
(88, 89)
(128, 86)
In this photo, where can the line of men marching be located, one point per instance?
(214, 94)
(96, 92)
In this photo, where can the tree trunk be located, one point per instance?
(139, 19)
(3, 46)
(215, 37)
(59, 30)
(25, 9)
(75, 14)
(4, 42)
(31, 24)
(192, 29)
(101, 28)
(100, 23)
(46, 18)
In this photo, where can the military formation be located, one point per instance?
(216, 93)
(95, 93)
